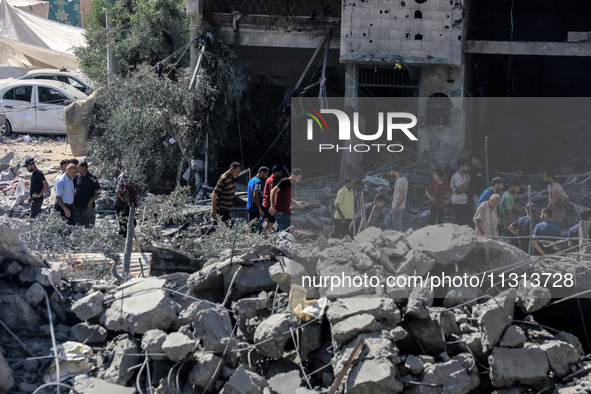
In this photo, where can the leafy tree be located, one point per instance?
(141, 31)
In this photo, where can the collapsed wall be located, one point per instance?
(230, 327)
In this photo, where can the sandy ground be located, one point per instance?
(48, 151)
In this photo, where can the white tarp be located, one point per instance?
(30, 41)
(39, 8)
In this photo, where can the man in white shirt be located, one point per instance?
(460, 184)
(64, 193)
(399, 197)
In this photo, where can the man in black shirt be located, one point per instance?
(478, 181)
(87, 189)
(39, 186)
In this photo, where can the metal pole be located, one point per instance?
(531, 219)
(322, 91)
(129, 242)
(111, 64)
(206, 156)
(486, 158)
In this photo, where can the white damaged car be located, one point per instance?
(35, 106)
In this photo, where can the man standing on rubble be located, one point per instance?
(282, 197)
(222, 197)
(496, 185)
(270, 183)
(399, 197)
(521, 227)
(460, 184)
(545, 234)
(86, 190)
(574, 231)
(38, 187)
(254, 203)
(345, 211)
(485, 218)
(506, 208)
(478, 178)
(64, 193)
(557, 198)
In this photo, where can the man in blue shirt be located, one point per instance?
(64, 193)
(545, 234)
(254, 204)
(496, 185)
(521, 227)
(573, 233)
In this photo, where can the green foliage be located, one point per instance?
(221, 238)
(57, 241)
(141, 31)
(161, 210)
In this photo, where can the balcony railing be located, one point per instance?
(294, 8)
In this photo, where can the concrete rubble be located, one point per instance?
(228, 328)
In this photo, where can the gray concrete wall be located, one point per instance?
(442, 144)
(391, 30)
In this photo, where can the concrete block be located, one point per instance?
(527, 366)
(177, 346)
(381, 308)
(562, 357)
(88, 385)
(432, 25)
(410, 45)
(373, 376)
(6, 378)
(397, 35)
(89, 306)
(347, 329)
(441, 35)
(440, 15)
(274, 327)
(451, 377)
(389, 45)
(379, 34)
(577, 36)
(513, 337)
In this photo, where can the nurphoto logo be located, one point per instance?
(392, 122)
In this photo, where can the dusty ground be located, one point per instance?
(47, 151)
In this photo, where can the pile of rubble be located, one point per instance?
(233, 327)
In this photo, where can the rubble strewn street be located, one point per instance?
(231, 327)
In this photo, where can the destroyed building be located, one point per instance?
(429, 51)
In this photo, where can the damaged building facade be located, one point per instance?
(429, 51)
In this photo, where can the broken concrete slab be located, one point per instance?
(419, 300)
(513, 337)
(244, 381)
(451, 377)
(370, 235)
(531, 299)
(351, 327)
(415, 263)
(462, 295)
(285, 383)
(178, 346)
(492, 322)
(274, 330)
(6, 377)
(211, 323)
(17, 313)
(285, 272)
(35, 294)
(152, 341)
(428, 332)
(141, 305)
(88, 385)
(446, 243)
(90, 306)
(376, 346)
(373, 376)
(207, 367)
(208, 283)
(528, 366)
(11, 247)
(119, 371)
(413, 364)
(570, 339)
(89, 333)
(383, 309)
(561, 355)
(249, 280)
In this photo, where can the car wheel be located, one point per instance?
(6, 128)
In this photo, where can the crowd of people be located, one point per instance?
(490, 210)
(270, 197)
